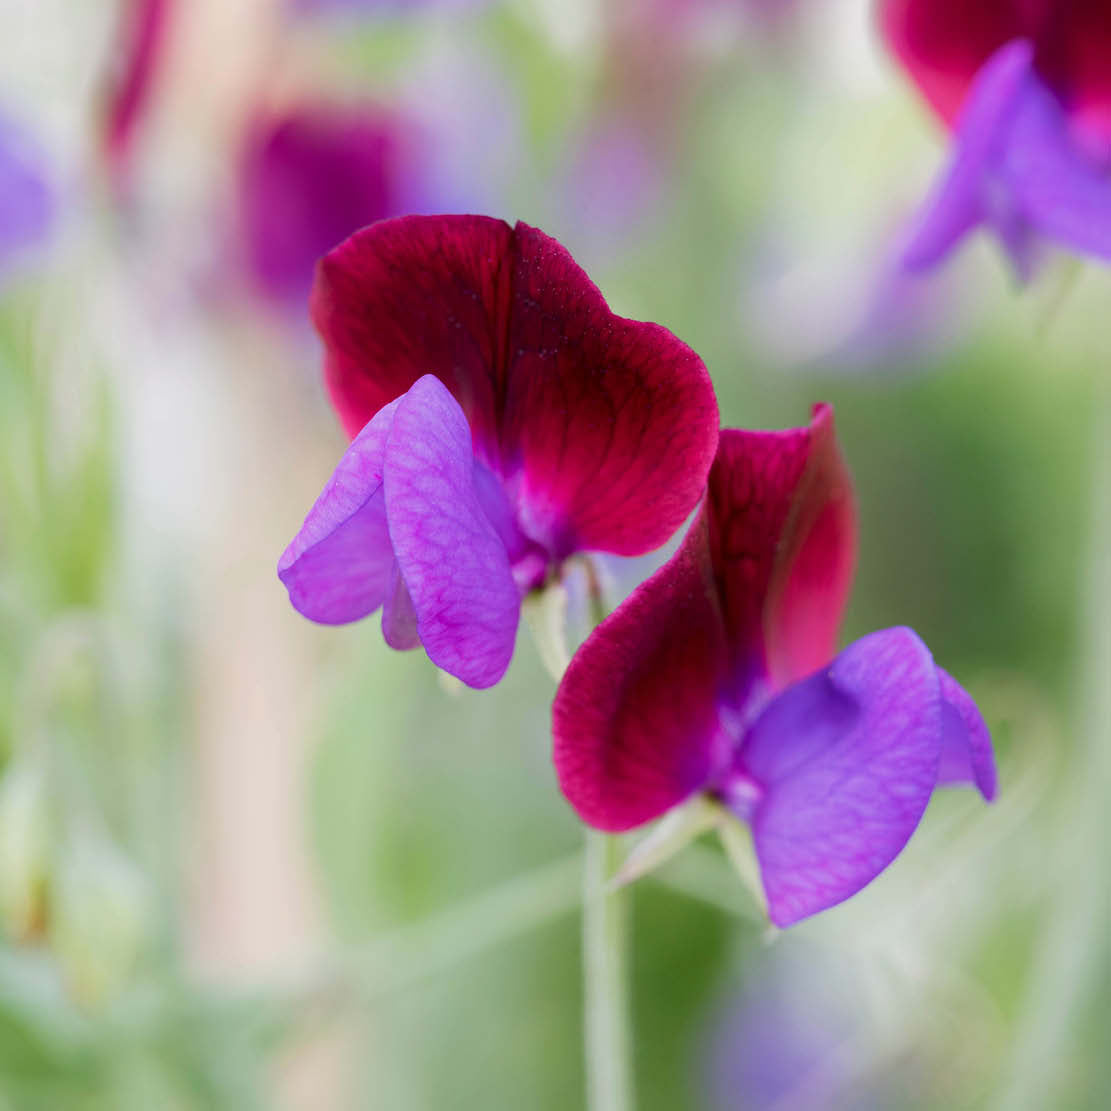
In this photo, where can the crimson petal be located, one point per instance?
(782, 524)
(635, 719)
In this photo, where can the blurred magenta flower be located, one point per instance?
(504, 419)
(714, 676)
(134, 65)
(309, 176)
(1026, 87)
(27, 198)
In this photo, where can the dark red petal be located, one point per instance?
(943, 43)
(783, 540)
(636, 717)
(604, 427)
(613, 422)
(1074, 56)
(413, 296)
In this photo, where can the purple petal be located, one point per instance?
(338, 567)
(1056, 187)
(453, 562)
(959, 201)
(843, 764)
(966, 755)
(26, 199)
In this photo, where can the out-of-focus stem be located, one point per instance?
(1073, 945)
(609, 1084)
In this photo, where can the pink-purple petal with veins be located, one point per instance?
(454, 564)
(966, 756)
(338, 567)
(843, 765)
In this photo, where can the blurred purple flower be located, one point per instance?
(615, 183)
(785, 1041)
(1017, 170)
(309, 177)
(313, 172)
(1025, 86)
(27, 198)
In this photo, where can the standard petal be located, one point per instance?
(612, 422)
(843, 764)
(966, 755)
(783, 540)
(338, 567)
(636, 719)
(413, 296)
(453, 562)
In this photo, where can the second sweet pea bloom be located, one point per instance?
(715, 677)
(504, 419)
(1025, 86)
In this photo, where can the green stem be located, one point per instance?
(1067, 968)
(609, 1085)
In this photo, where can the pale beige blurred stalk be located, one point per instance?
(253, 910)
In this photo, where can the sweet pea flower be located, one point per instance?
(1025, 85)
(503, 420)
(714, 677)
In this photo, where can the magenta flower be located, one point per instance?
(1026, 86)
(310, 176)
(505, 420)
(715, 676)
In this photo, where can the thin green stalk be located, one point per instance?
(1073, 945)
(609, 1083)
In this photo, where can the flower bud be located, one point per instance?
(102, 918)
(25, 846)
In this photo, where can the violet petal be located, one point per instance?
(844, 763)
(338, 567)
(966, 755)
(452, 560)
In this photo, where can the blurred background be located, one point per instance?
(246, 862)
